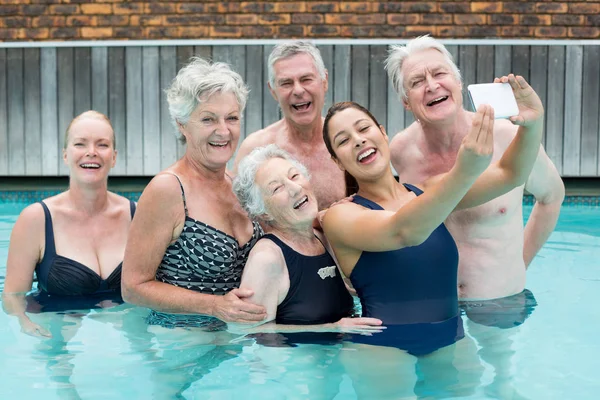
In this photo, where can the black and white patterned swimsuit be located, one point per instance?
(203, 259)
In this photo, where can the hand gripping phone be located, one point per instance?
(499, 95)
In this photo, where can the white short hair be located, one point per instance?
(244, 184)
(398, 54)
(196, 82)
(289, 49)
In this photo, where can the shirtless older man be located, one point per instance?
(298, 81)
(495, 249)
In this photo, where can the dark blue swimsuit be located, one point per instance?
(66, 280)
(412, 290)
(317, 294)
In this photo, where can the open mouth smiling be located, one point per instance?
(301, 106)
(301, 202)
(438, 100)
(90, 165)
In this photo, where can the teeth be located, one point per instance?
(90, 165)
(218, 144)
(366, 154)
(436, 100)
(300, 202)
(299, 105)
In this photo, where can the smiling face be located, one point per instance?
(299, 89)
(359, 144)
(433, 92)
(287, 194)
(89, 149)
(213, 130)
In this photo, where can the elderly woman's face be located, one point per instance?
(213, 130)
(287, 193)
(434, 94)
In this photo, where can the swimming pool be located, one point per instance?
(112, 353)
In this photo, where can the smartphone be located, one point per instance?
(499, 95)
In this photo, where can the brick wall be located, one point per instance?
(119, 19)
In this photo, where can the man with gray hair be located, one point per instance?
(495, 250)
(298, 81)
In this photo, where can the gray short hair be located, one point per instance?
(244, 184)
(289, 49)
(398, 54)
(198, 80)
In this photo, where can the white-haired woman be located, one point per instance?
(74, 241)
(191, 238)
(289, 270)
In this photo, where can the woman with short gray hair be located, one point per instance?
(290, 271)
(191, 238)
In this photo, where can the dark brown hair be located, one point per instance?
(351, 183)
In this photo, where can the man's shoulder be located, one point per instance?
(404, 142)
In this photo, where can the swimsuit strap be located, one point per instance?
(132, 208)
(50, 248)
(182, 193)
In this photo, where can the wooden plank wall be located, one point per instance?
(42, 89)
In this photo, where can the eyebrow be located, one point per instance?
(354, 124)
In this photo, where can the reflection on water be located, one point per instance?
(508, 351)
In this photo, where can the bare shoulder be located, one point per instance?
(162, 191)
(263, 136)
(265, 257)
(340, 214)
(119, 202)
(504, 132)
(403, 144)
(32, 218)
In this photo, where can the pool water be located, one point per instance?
(112, 354)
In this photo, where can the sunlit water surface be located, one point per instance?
(112, 353)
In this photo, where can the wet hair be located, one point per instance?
(244, 184)
(397, 55)
(351, 183)
(195, 83)
(289, 49)
(91, 114)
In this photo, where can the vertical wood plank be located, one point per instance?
(378, 83)
(66, 98)
(468, 67)
(117, 105)
(539, 78)
(134, 124)
(360, 72)
(327, 55)
(205, 52)
(341, 73)
(100, 79)
(3, 115)
(485, 64)
(590, 111)
(32, 109)
(49, 112)
(151, 110)
(83, 79)
(395, 112)
(16, 114)
(502, 60)
(555, 108)
(254, 80)
(572, 124)
(168, 133)
(520, 61)
(270, 110)
(183, 57)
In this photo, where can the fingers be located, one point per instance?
(242, 293)
(367, 321)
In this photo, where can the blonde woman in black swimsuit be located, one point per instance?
(74, 241)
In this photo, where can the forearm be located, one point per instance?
(424, 214)
(168, 298)
(540, 225)
(519, 158)
(14, 304)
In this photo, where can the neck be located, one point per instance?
(305, 133)
(446, 136)
(90, 199)
(202, 172)
(382, 189)
(298, 235)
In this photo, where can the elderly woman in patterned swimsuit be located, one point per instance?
(190, 239)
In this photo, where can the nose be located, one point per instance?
(222, 126)
(293, 188)
(432, 84)
(91, 150)
(298, 88)
(359, 141)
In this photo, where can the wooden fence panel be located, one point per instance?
(42, 89)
